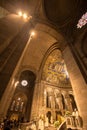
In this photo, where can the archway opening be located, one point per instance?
(20, 107)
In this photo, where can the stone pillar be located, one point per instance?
(45, 98)
(53, 116)
(38, 101)
(52, 100)
(41, 97)
(60, 103)
(78, 83)
(35, 102)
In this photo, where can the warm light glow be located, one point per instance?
(32, 33)
(13, 81)
(24, 82)
(77, 113)
(67, 75)
(25, 16)
(20, 13)
(50, 97)
(19, 98)
(73, 113)
(16, 83)
(44, 92)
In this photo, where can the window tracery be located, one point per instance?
(17, 105)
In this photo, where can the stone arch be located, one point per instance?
(28, 76)
(59, 12)
(84, 45)
(53, 67)
(55, 94)
(49, 51)
(63, 101)
(48, 114)
(29, 68)
(20, 94)
(18, 106)
(25, 74)
(25, 91)
(58, 113)
(73, 103)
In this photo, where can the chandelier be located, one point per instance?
(82, 21)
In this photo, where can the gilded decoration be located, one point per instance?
(54, 70)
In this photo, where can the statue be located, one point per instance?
(46, 122)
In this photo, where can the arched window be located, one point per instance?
(63, 101)
(17, 105)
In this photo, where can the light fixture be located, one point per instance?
(25, 16)
(24, 82)
(44, 92)
(20, 13)
(82, 21)
(19, 99)
(32, 33)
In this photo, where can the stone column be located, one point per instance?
(60, 103)
(41, 97)
(52, 100)
(35, 102)
(78, 83)
(45, 98)
(38, 101)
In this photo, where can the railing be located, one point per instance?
(62, 126)
(74, 122)
(27, 126)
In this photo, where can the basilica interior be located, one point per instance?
(43, 63)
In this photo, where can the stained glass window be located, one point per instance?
(17, 105)
(82, 21)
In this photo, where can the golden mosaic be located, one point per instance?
(54, 70)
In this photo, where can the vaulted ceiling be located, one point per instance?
(54, 21)
(62, 14)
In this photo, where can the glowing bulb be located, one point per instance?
(19, 99)
(20, 13)
(25, 16)
(24, 83)
(32, 33)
